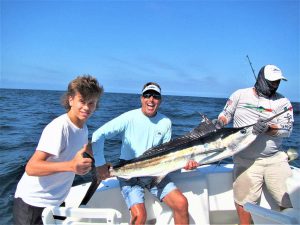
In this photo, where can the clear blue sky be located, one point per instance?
(193, 48)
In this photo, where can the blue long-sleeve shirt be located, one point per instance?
(138, 133)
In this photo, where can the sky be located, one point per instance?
(191, 48)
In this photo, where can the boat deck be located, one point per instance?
(208, 190)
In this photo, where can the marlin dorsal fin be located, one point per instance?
(204, 128)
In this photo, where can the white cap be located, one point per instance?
(151, 87)
(273, 73)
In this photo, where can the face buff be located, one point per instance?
(264, 87)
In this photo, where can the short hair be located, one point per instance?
(86, 85)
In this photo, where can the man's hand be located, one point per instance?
(218, 123)
(80, 164)
(191, 165)
(103, 172)
(260, 127)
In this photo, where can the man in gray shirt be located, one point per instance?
(262, 162)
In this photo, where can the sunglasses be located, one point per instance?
(149, 95)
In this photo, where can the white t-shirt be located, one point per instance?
(62, 139)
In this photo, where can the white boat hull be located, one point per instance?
(208, 190)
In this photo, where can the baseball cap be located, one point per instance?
(273, 73)
(151, 87)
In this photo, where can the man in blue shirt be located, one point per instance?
(142, 129)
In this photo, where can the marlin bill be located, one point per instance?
(205, 144)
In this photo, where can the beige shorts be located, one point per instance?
(249, 177)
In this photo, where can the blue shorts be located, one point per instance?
(133, 190)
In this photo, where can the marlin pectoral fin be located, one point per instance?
(219, 163)
(213, 153)
(215, 150)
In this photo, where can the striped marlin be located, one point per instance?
(205, 144)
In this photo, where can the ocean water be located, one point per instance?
(24, 114)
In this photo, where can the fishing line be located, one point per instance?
(251, 66)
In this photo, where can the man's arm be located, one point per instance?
(39, 166)
(107, 131)
(283, 126)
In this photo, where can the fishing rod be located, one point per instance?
(276, 115)
(283, 111)
(251, 66)
(95, 181)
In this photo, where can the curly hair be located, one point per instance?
(86, 85)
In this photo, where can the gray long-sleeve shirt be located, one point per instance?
(245, 108)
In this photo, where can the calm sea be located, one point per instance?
(24, 114)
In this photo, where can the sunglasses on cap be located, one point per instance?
(154, 95)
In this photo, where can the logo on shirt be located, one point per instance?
(257, 108)
(228, 103)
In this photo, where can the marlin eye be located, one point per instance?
(243, 131)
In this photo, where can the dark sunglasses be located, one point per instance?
(149, 95)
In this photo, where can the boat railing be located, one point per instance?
(76, 216)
